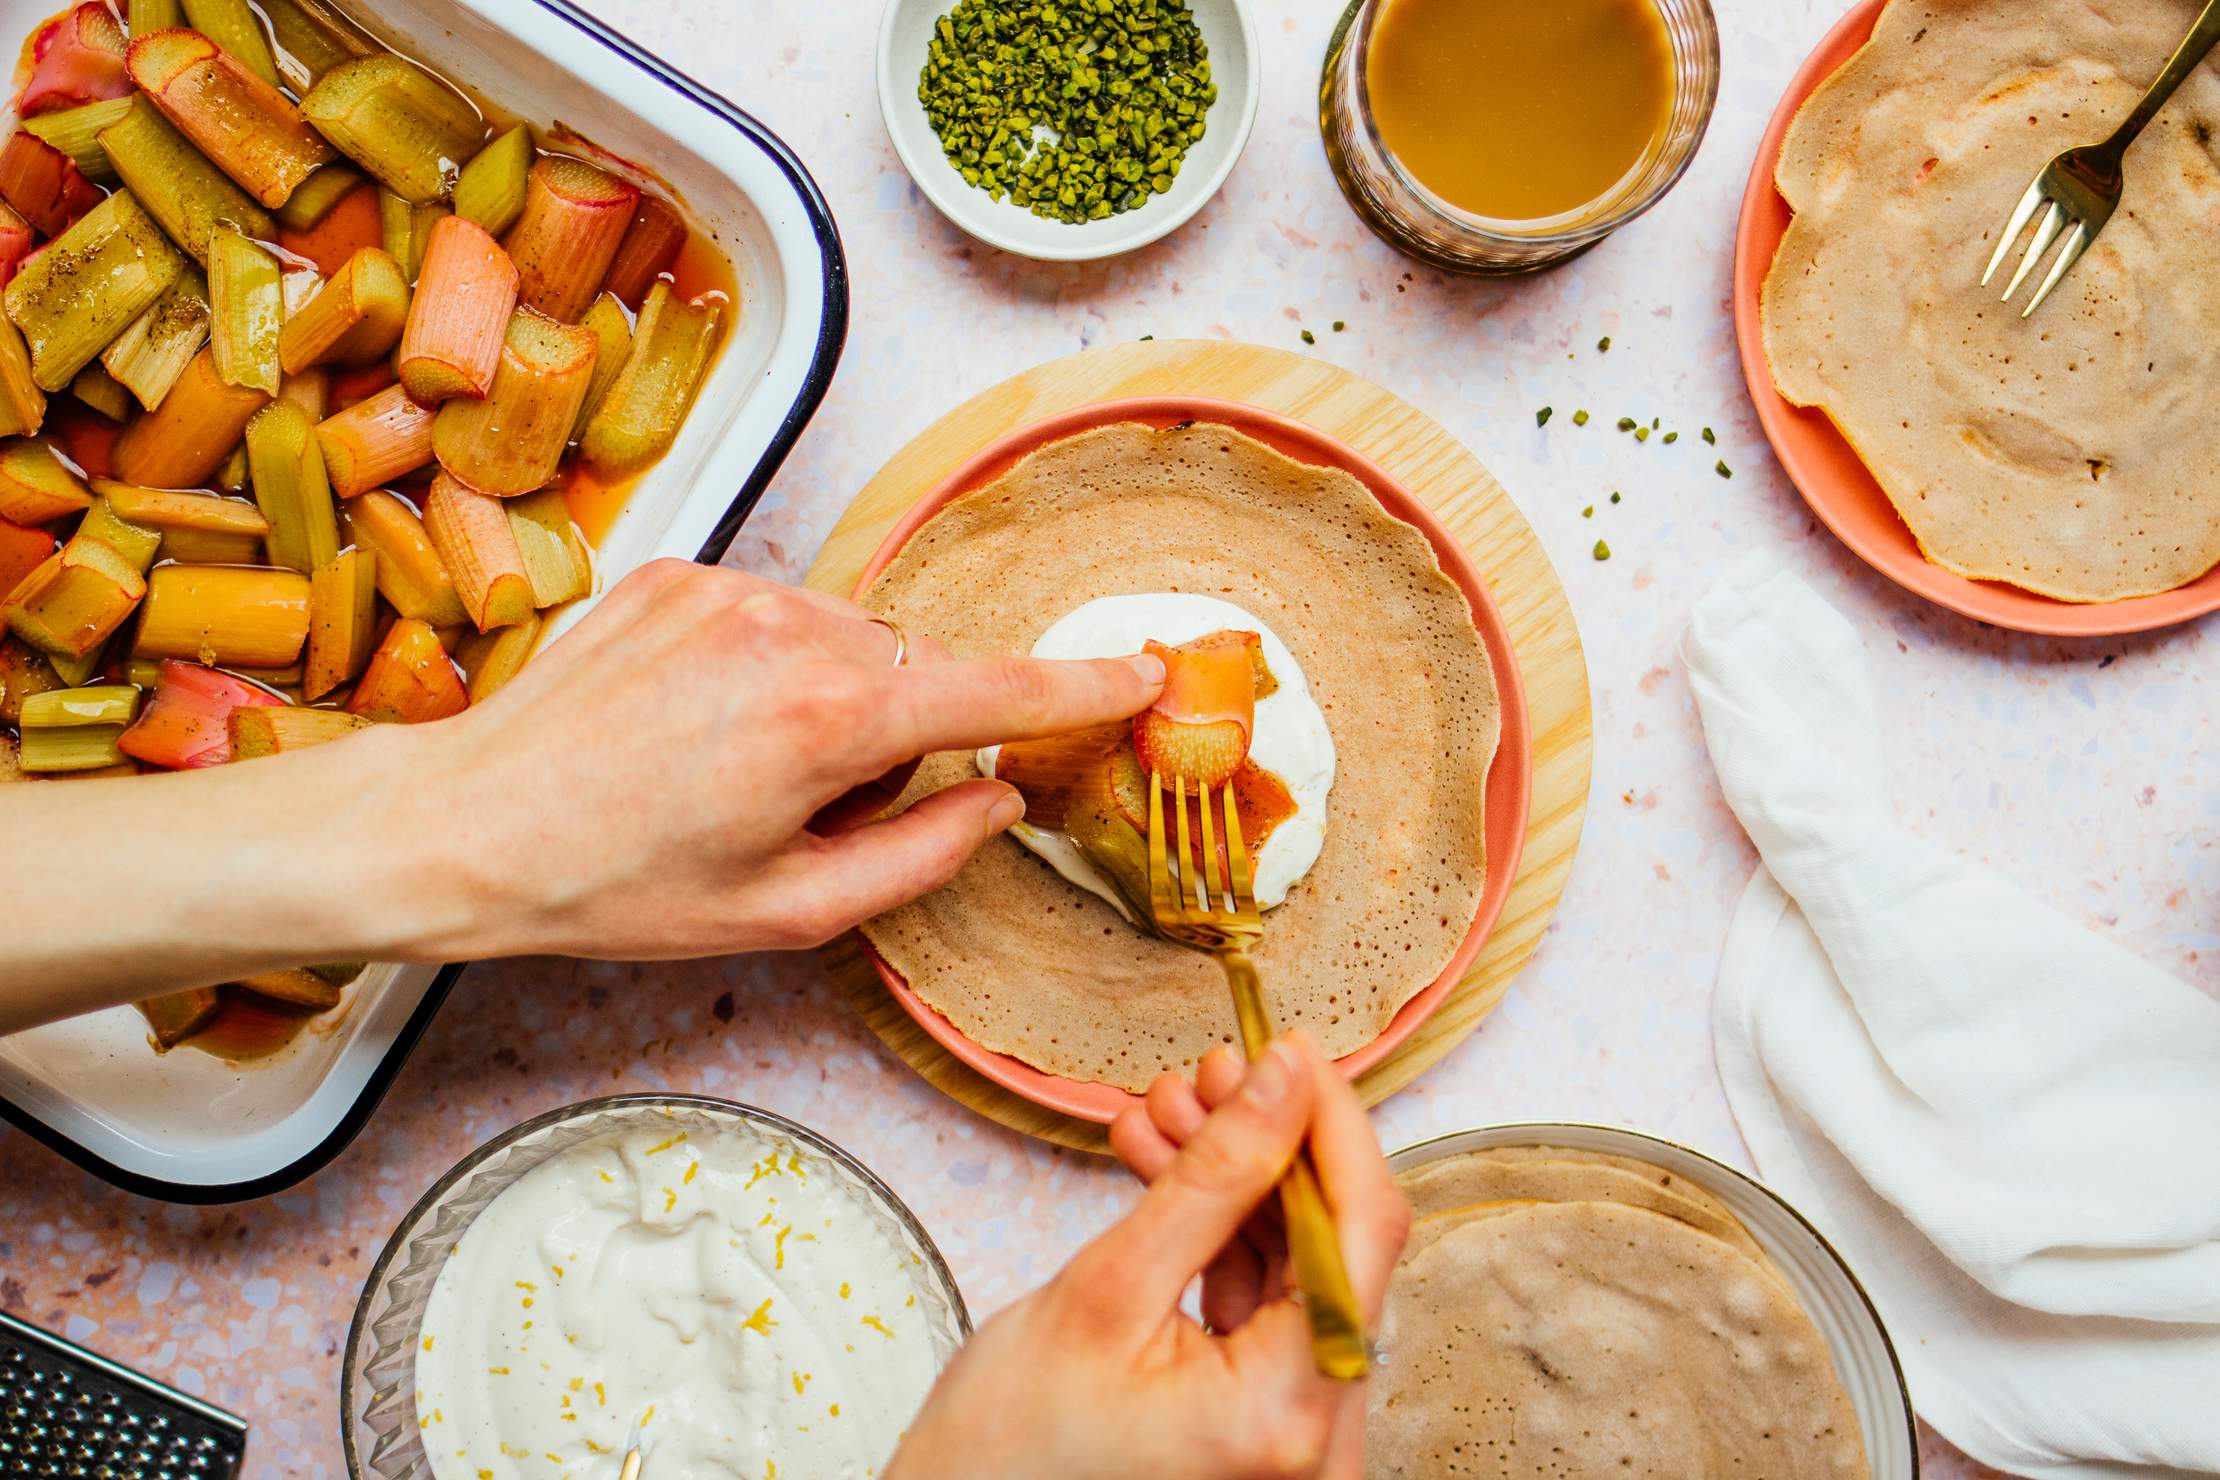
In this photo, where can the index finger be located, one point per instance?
(970, 702)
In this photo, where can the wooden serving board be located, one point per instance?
(1444, 475)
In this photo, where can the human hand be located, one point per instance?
(692, 770)
(1099, 1373)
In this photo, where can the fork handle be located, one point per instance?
(1337, 1339)
(2201, 38)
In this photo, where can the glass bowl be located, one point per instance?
(1419, 223)
(1819, 1277)
(377, 1378)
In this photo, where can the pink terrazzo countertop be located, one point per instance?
(2069, 765)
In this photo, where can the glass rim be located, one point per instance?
(1577, 232)
(936, 1266)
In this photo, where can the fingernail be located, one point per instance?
(1148, 667)
(1268, 1079)
(1005, 812)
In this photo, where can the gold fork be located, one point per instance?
(2082, 187)
(1196, 908)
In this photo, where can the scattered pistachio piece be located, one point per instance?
(1589, 512)
(1541, 417)
(1671, 438)
(1708, 437)
(1580, 418)
(1309, 338)
(1614, 495)
(1641, 434)
(1602, 550)
(1626, 423)
(1604, 344)
(1723, 470)
(1340, 324)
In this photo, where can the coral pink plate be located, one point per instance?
(1837, 485)
(1509, 779)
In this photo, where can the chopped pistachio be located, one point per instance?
(1626, 423)
(1604, 344)
(1309, 338)
(1709, 437)
(1614, 495)
(1589, 512)
(1671, 438)
(1723, 470)
(1339, 325)
(1602, 551)
(1641, 434)
(1580, 418)
(1541, 417)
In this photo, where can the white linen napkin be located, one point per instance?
(2009, 1126)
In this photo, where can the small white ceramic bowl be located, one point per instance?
(1823, 1283)
(1227, 30)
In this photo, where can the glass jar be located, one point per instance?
(1419, 223)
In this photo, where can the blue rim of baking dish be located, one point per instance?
(832, 333)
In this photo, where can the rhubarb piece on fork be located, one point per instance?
(1199, 727)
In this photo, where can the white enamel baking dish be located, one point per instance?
(185, 1126)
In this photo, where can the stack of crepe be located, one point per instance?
(1579, 1315)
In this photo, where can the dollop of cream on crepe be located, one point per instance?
(1290, 738)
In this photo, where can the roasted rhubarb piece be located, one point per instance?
(410, 130)
(177, 1016)
(135, 542)
(101, 391)
(76, 729)
(342, 621)
(154, 349)
(77, 58)
(35, 488)
(316, 197)
(411, 577)
(512, 441)
(406, 226)
(246, 303)
(465, 299)
(555, 555)
(612, 327)
(309, 389)
(90, 282)
(76, 132)
(575, 216)
(21, 552)
(490, 192)
(259, 732)
(299, 986)
(239, 616)
(471, 532)
(374, 441)
(639, 415)
(141, 17)
(313, 38)
(1198, 729)
(410, 679)
(41, 184)
(650, 246)
(287, 467)
(187, 724)
(22, 403)
(177, 184)
(491, 659)
(233, 27)
(354, 318)
(24, 671)
(75, 599)
(246, 127)
(195, 528)
(187, 438)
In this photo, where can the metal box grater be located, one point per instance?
(68, 1414)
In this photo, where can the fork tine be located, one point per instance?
(1187, 873)
(2020, 215)
(2077, 242)
(2046, 232)
(1206, 878)
(1237, 860)
(1162, 903)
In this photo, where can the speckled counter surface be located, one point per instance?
(2073, 766)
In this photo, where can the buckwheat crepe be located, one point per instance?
(1442, 1188)
(2072, 453)
(1024, 963)
(1589, 1339)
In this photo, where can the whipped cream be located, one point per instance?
(1289, 738)
(738, 1300)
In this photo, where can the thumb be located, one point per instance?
(1198, 1204)
(868, 870)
